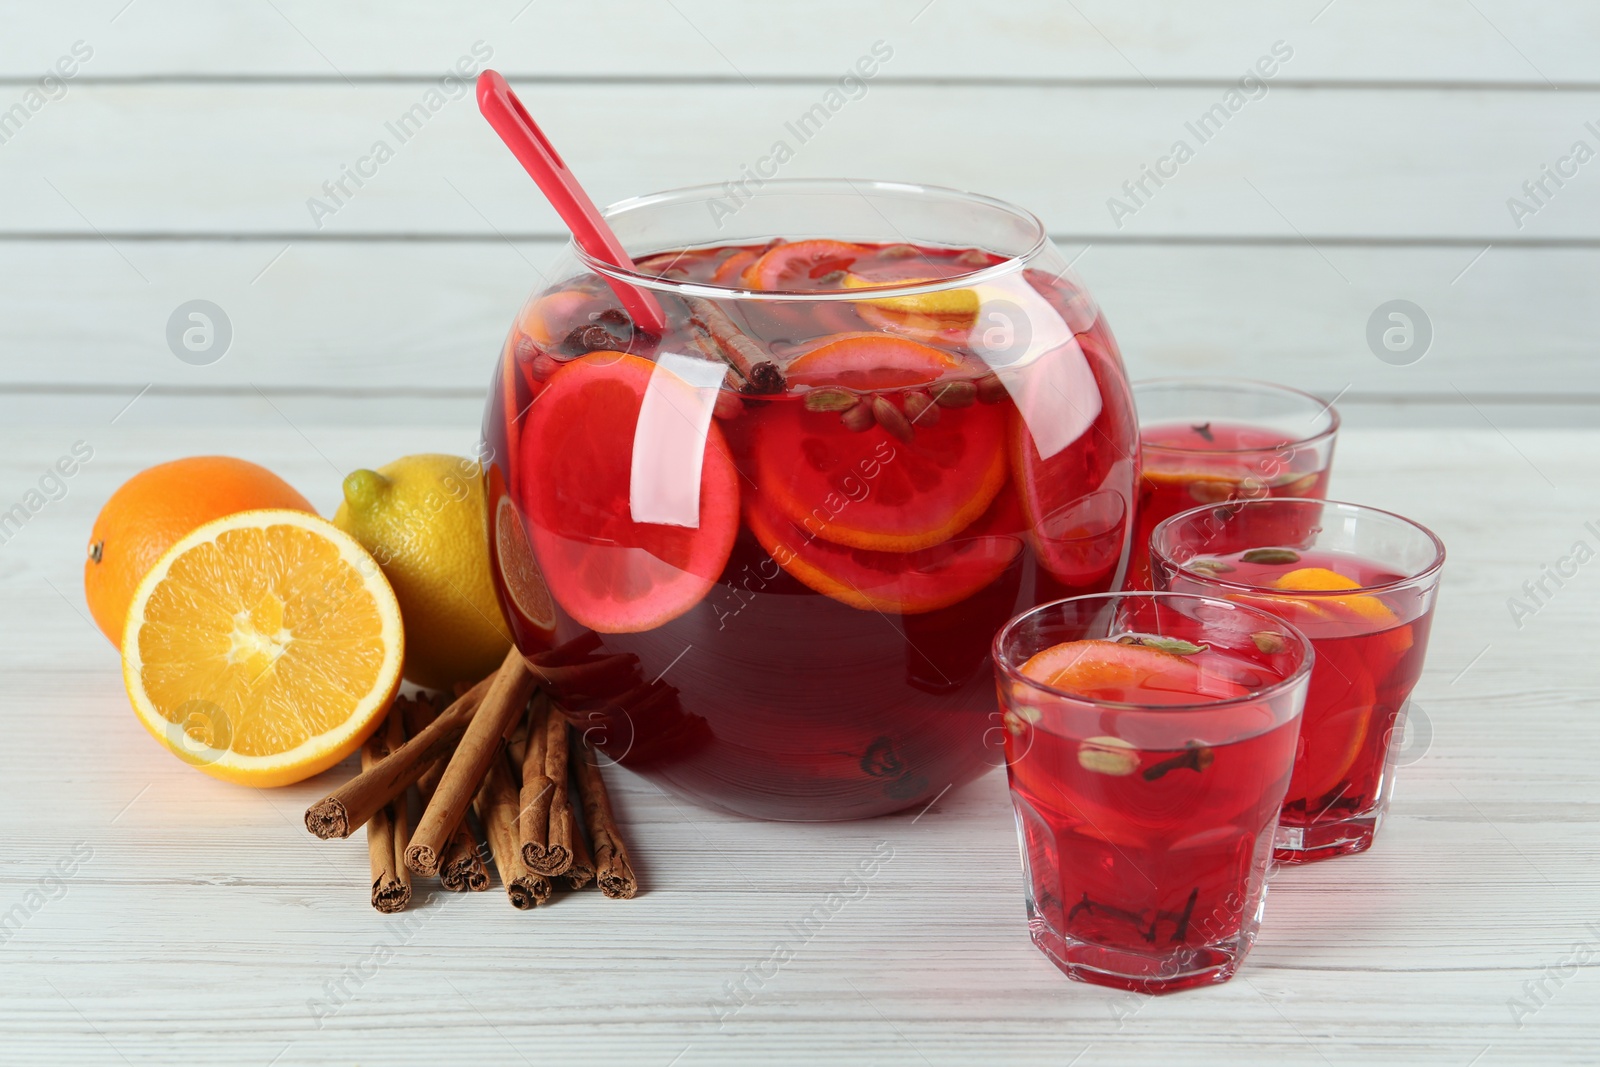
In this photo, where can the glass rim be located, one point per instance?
(1429, 572)
(833, 186)
(1014, 673)
(1328, 408)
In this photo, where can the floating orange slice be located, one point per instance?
(1108, 670)
(871, 361)
(1323, 580)
(798, 264)
(263, 648)
(904, 583)
(1332, 733)
(1368, 608)
(731, 270)
(871, 491)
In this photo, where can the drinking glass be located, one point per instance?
(1361, 583)
(1146, 821)
(1210, 440)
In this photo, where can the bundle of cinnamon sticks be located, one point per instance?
(503, 749)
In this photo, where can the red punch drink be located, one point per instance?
(806, 507)
(1212, 440)
(1149, 752)
(1360, 583)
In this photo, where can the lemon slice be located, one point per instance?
(263, 648)
(945, 303)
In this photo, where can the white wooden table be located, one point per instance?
(201, 923)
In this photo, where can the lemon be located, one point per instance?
(425, 519)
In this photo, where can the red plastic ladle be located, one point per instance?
(540, 159)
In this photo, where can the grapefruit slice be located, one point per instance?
(608, 572)
(263, 647)
(903, 583)
(798, 265)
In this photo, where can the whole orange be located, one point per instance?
(156, 507)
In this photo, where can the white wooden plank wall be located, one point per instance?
(177, 161)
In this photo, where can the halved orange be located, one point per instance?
(263, 648)
(904, 583)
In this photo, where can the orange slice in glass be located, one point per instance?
(1367, 608)
(1130, 674)
(263, 648)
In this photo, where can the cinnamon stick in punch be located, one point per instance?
(496, 804)
(502, 704)
(612, 870)
(462, 869)
(388, 828)
(347, 809)
(735, 347)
